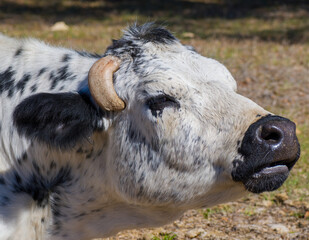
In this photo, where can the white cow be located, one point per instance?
(91, 145)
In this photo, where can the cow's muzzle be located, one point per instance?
(270, 149)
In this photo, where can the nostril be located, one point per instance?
(270, 134)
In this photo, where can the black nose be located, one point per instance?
(270, 149)
(272, 135)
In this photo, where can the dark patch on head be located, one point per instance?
(66, 57)
(150, 32)
(18, 52)
(7, 80)
(59, 120)
(258, 115)
(136, 36)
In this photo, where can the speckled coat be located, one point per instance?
(69, 170)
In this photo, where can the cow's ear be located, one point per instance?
(60, 120)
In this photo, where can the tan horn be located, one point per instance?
(101, 86)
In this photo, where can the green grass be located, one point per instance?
(165, 236)
(221, 209)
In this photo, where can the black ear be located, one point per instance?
(60, 120)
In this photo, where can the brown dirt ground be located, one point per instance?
(250, 218)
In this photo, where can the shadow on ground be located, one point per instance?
(173, 12)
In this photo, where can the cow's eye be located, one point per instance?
(158, 103)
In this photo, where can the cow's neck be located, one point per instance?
(64, 190)
(112, 217)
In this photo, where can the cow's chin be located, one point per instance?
(264, 178)
(267, 179)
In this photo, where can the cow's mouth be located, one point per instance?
(281, 167)
(270, 149)
(267, 177)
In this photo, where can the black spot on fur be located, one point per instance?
(19, 161)
(22, 159)
(62, 74)
(2, 181)
(39, 186)
(24, 156)
(18, 52)
(79, 150)
(7, 80)
(36, 168)
(59, 120)
(66, 58)
(34, 88)
(17, 178)
(20, 86)
(42, 70)
(52, 165)
(89, 155)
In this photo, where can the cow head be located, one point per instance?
(186, 137)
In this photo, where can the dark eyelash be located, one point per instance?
(158, 103)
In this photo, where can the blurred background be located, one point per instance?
(265, 45)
